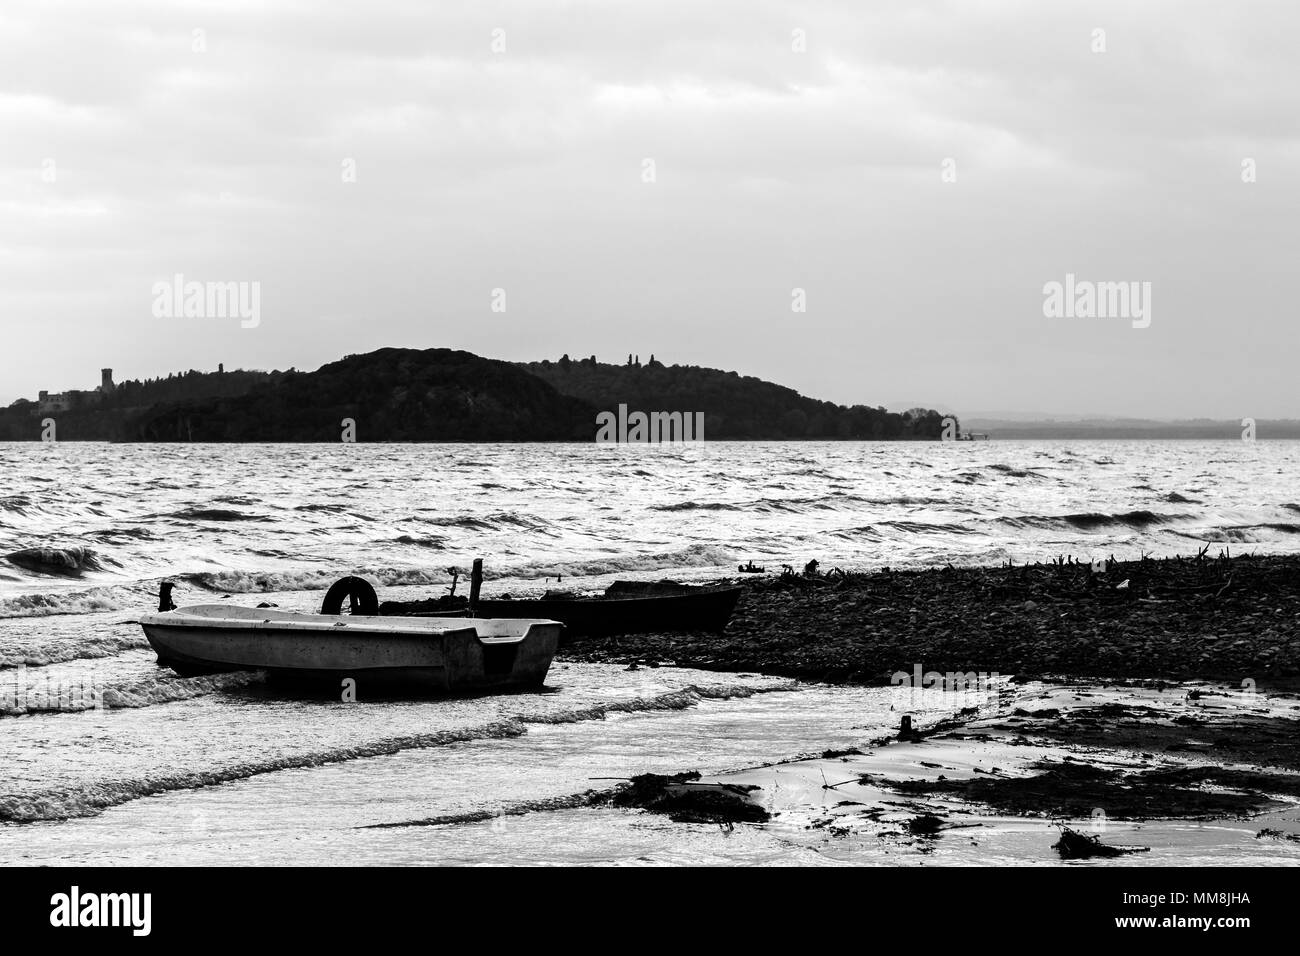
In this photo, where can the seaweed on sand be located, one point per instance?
(1074, 789)
(683, 800)
(924, 825)
(1261, 739)
(1079, 846)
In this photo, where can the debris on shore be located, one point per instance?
(1273, 833)
(924, 825)
(1152, 707)
(1079, 846)
(1082, 757)
(1196, 617)
(1072, 789)
(683, 799)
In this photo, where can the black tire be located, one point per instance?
(361, 597)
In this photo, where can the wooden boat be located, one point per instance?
(442, 654)
(626, 608)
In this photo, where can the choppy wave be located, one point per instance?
(117, 535)
(1092, 520)
(319, 579)
(928, 527)
(90, 799)
(323, 508)
(698, 506)
(859, 534)
(92, 647)
(694, 556)
(911, 528)
(1011, 472)
(263, 582)
(64, 602)
(457, 521)
(77, 696)
(501, 519)
(65, 562)
(216, 514)
(16, 504)
(1242, 534)
(420, 541)
(833, 501)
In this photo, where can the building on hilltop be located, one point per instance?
(56, 402)
(48, 402)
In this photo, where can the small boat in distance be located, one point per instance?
(447, 655)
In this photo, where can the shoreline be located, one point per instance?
(1233, 619)
(1044, 774)
(1153, 721)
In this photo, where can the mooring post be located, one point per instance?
(475, 582)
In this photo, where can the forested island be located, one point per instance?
(411, 395)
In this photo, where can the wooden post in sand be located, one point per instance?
(475, 582)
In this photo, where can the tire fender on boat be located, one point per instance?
(360, 595)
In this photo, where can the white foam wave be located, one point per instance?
(90, 799)
(694, 556)
(41, 696)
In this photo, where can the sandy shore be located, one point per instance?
(1147, 710)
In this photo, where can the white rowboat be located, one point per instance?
(448, 654)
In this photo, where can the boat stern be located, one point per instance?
(505, 653)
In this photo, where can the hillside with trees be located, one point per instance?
(415, 395)
(390, 395)
(734, 406)
(114, 416)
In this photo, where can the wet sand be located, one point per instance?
(1129, 770)
(1149, 709)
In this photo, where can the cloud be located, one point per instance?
(221, 155)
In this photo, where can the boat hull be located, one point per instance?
(702, 610)
(446, 655)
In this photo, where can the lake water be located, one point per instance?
(224, 769)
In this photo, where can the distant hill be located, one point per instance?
(446, 395)
(734, 406)
(391, 395)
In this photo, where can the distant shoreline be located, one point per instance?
(1008, 439)
(419, 395)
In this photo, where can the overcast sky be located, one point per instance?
(128, 156)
